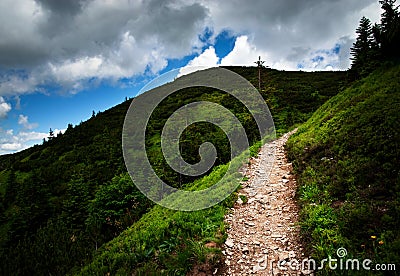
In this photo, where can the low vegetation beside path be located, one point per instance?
(347, 157)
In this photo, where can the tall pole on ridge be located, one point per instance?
(259, 63)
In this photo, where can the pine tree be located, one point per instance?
(390, 29)
(51, 134)
(11, 188)
(376, 48)
(377, 34)
(362, 48)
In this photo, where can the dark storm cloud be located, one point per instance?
(62, 7)
(68, 29)
(21, 55)
(175, 27)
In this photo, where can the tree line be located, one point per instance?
(377, 43)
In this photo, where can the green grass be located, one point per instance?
(347, 157)
(164, 241)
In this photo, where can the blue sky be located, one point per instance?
(61, 60)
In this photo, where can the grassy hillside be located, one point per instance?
(293, 96)
(347, 156)
(61, 201)
(166, 241)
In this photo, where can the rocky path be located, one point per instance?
(263, 229)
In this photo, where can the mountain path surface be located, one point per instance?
(263, 227)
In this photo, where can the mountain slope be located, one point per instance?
(62, 200)
(347, 156)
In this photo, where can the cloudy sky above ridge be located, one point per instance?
(59, 60)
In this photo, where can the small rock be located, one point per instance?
(257, 268)
(229, 243)
(251, 200)
(250, 223)
(284, 256)
(263, 201)
(275, 236)
(245, 249)
(259, 196)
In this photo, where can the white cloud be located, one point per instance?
(281, 28)
(371, 12)
(10, 147)
(205, 60)
(86, 67)
(243, 53)
(4, 108)
(10, 142)
(32, 135)
(15, 84)
(23, 121)
(128, 59)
